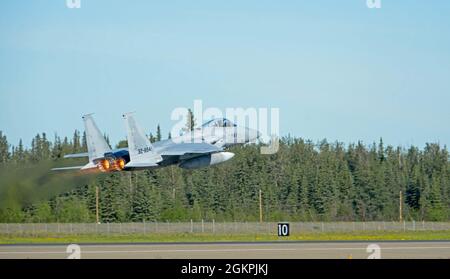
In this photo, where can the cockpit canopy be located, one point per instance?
(218, 122)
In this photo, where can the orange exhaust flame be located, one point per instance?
(120, 163)
(105, 165)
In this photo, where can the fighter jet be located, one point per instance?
(204, 146)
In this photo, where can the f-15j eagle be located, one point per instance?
(202, 147)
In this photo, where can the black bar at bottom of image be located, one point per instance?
(221, 268)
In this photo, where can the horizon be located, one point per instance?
(315, 142)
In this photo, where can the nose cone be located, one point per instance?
(227, 155)
(220, 157)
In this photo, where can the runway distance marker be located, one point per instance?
(283, 229)
(375, 251)
(74, 250)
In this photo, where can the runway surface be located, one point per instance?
(264, 250)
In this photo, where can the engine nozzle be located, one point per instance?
(104, 165)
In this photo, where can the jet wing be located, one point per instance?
(179, 149)
(133, 165)
(86, 154)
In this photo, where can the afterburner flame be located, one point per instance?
(105, 165)
(120, 163)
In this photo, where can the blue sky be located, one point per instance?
(335, 69)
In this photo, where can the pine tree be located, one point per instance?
(35, 149)
(190, 123)
(108, 199)
(141, 209)
(45, 147)
(20, 153)
(57, 151)
(435, 209)
(84, 142)
(151, 138)
(4, 149)
(76, 145)
(158, 133)
(412, 195)
(122, 144)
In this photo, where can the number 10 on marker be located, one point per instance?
(283, 229)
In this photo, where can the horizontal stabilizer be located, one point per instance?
(76, 155)
(68, 168)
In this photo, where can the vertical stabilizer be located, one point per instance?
(96, 143)
(139, 146)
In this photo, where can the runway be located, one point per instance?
(253, 250)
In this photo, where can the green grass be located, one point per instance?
(130, 238)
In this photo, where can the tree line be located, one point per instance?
(303, 181)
